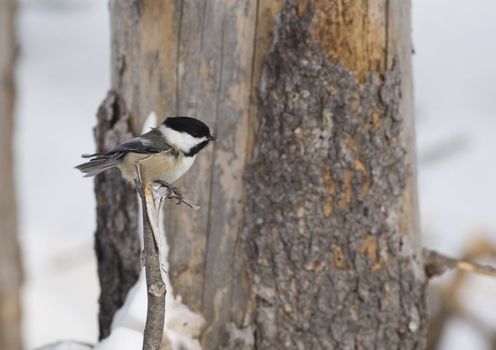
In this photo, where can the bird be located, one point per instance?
(166, 152)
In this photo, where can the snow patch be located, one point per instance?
(67, 345)
(182, 326)
(151, 122)
(122, 339)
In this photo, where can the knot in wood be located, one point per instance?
(157, 289)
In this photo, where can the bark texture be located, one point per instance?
(117, 243)
(331, 236)
(315, 244)
(10, 261)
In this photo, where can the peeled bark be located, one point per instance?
(10, 261)
(307, 233)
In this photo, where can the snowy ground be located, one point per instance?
(64, 74)
(455, 75)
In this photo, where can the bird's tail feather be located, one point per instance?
(97, 165)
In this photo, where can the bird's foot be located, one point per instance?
(172, 192)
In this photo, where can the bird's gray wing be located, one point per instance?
(150, 142)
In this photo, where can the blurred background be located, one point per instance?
(63, 75)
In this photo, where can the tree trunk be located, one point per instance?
(10, 261)
(307, 233)
(332, 235)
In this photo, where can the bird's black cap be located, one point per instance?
(192, 126)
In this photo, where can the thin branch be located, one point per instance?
(436, 264)
(155, 316)
(151, 199)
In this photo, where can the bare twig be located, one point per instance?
(154, 326)
(447, 296)
(151, 199)
(436, 264)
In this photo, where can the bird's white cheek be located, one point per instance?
(180, 140)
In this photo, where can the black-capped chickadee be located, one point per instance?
(166, 152)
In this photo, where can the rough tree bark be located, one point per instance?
(117, 243)
(332, 236)
(307, 233)
(10, 261)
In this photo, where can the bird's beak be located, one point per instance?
(212, 138)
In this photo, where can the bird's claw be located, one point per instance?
(175, 193)
(172, 192)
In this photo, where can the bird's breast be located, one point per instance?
(181, 166)
(164, 166)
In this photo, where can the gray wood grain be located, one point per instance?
(195, 58)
